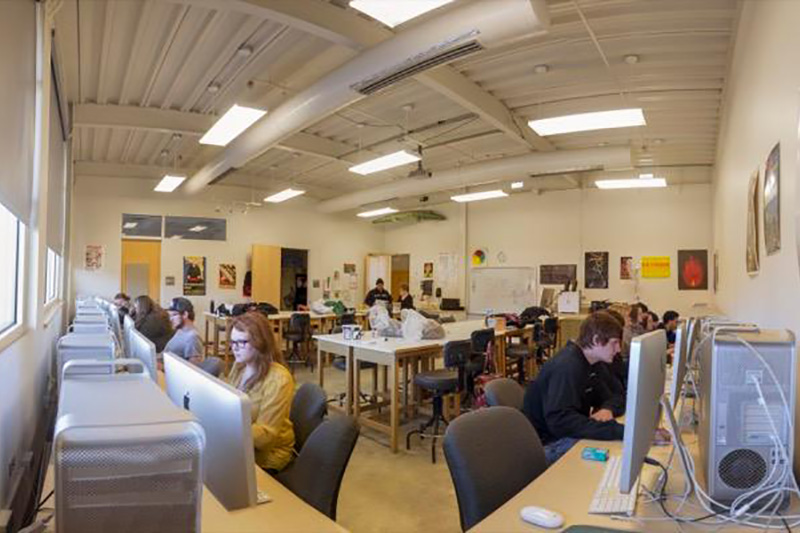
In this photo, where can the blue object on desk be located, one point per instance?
(595, 454)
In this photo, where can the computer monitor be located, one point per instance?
(679, 363)
(127, 327)
(224, 413)
(144, 350)
(646, 378)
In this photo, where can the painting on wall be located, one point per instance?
(427, 270)
(596, 270)
(227, 276)
(94, 257)
(656, 266)
(194, 276)
(692, 270)
(557, 274)
(626, 267)
(479, 257)
(752, 253)
(772, 201)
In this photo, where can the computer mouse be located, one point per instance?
(539, 516)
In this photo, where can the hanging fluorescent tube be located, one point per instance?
(635, 183)
(385, 162)
(169, 183)
(393, 13)
(476, 196)
(600, 120)
(231, 125)
(284, 195)
(377, 212)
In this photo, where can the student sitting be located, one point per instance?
(186, 341)
(123, 303)
(569, 400)
(152, 322)
(259, 371)
(379, 295)
(670, 324)
(406, 300)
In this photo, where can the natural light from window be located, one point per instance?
(52, 275)
(9, 268)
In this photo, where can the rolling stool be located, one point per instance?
(299, 332)
(441, 382)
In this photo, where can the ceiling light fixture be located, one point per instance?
(169, 183)
(385, 162)
(476, 196)
(395, 13)
(377, 212)
(600, 120)
(198, 229)
(631, 59)
(213, 88)
(284, 195)
(231, 125)
(517, 185)
(635, 183)
(541, 69)
(130, 225)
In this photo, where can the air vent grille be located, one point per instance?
(742, 469)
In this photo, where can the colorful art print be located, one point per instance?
(626, 267)
(227, 276)
(479, 257)
(94, 257)
(656, 266)
(427, 270)
(427, 287)
(194, 276)
(752, 252)
(596, 270)
(692, 270)
(557, 274)
(772, 201)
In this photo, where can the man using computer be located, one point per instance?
(186, 341)
(569, 400)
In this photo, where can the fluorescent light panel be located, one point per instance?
(377, 212)
(395, 12)
(169, 183)
(600, 120)
(517, 185)
(284, 195)
(231, 125)
(385, 162)
(635, 183)
(476, 196)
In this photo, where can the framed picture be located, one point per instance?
(194, 276)
(427, 270)
(94, 257)
(626, 267)
(557, 274)
(692, 270)
(656, 266)
(227, 276)
(752, 252)
(772, 201)
(596, 270)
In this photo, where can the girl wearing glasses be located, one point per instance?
(260, 372)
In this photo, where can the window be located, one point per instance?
(10, 240)
(52, 276)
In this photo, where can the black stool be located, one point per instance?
(299, 333)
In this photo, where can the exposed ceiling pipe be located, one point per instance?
(455, 34)
(612, 157)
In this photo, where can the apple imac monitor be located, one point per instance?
(127, 327)
(144, 350)
(224, 413)
(679, 364)
(646, 378)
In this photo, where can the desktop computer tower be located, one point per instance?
(126, 459)
(84, 346)
(735, 437)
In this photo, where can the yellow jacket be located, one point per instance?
(271, 399)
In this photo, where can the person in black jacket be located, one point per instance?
(570, 399)
(406, 300)
(378, 294)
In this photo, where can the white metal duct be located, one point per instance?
(609, 158)
(452, 35)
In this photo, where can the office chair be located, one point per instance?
(441, 382)
(517, 354)
(299, 333)
(505, 392)
(309, 408)
(316, 475)
(481, 341)
(485, 481)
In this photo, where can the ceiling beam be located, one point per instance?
(122, 170)
(141, 118)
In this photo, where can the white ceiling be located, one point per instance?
(118, 57)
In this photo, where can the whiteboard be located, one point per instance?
(501, 289)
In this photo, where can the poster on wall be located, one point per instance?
(752, 253)
(427, 270)
(626, 267)
(169, 281)
(557, 274)
(194, 276)
(349, 268)
(447, 268)
(692, 270)
(479, 257)
(596, 270)
(656, 266)
(772, 201)
(94, 257)
(227, 276)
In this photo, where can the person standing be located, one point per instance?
(406, 300)
(379, 295)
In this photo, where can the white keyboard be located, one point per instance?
(607, 498)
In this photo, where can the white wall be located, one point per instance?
(557, 227)
(100, 202)
(761, 109)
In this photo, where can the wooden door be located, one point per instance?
(400, 273)
(266, 274)
(141, 268)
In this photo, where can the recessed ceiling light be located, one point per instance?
(631, 59)
(244, 51)
(600, 120)
(284, 195)
(393, 13)
(385, 162)
(476, 196)
(541, 69)
(231, 125)
(658, 141)
(377, 212)
(130, 225)
(169, 183)
(517, 185)
(213, 88)
(164, 152)
(635, 183)
(198, 228)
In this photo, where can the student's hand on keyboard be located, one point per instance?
(662, 437)
(603, 415)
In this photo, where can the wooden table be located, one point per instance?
(214, 345)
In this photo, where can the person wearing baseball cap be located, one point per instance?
(186, 341)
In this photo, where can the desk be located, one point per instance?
(568, 328)
(214, 343)
(568, 487)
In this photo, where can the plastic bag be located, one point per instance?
(320, 308)
(382, 323)
(416, 327)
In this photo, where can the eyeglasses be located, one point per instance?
(239, 344)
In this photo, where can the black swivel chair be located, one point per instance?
(299, 335)
(485, 481)
(480, 341)
(505, 392)
(440, 382)
(309, 408)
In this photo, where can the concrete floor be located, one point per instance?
(391, 493)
